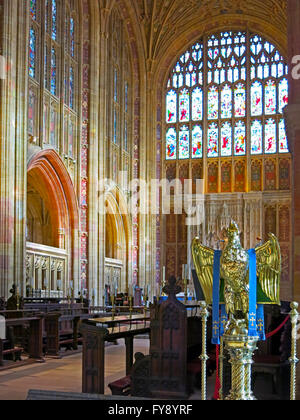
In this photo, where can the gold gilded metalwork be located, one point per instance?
(293, 359)
(235, 276)
(234, 271)
(204, 316)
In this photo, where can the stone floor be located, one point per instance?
(64, 374)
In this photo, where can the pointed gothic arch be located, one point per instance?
(49, 179)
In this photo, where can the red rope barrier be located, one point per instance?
(218, 383)
(271, 334)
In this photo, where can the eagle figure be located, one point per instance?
(234, 273)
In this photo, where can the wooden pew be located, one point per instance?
(94, 338)
(34, 325)
(175, 346)
(61, 331)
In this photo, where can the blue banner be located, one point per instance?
(224, 320)
(216, 298)
(252, 293)
(261, 322)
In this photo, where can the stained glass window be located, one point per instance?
(184, 143)
(226, 102)
(213, 140)
(240, 139)
(53, 72)
(32, 53)
(184, 106)
(256, 99)
(33, 9)
(226, 139)
(197, 101)
(232, 104)
(256, 137)
(270, 97)
(54, 20)
(71, 87)
(283, 142)
(283, 94)
(72, 37)
(172, 107)
(171, 150)
(197, 142)
(270, 136)
(48, 67)
(240, 100)
(213, 103)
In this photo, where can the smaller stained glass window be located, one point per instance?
(184, 106)
(256, 99)
(283, 94)
(53, 72)
(270, 97)
(256, 138)
(197, 142)
(184, 143)
(197, 100)
(54, 20)
(226, 102)
(213, 103)
(172, 107)
(226, 139)
(33, 9)
(240, 139)
(240, 100)
(283, 142)
(171, 144)
(213, 141)
(270, 136)
(72, 37)
(32, 53)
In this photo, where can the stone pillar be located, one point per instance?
(13, 128)
(292, 115)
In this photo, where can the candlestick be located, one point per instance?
(113, 310)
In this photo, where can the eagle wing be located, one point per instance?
(204, 262)
(269, 269)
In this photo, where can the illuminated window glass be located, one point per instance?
(256, 138)
(226, 139)
(172, 107)
(270, 137)
(240, 139)
(184, 143)
(197, 142)
(171, 150)
(213, 140)
(210, 83)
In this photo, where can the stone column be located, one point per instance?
(292, 115)
(13, 98)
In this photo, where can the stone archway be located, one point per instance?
(52, 263)
(118, 258)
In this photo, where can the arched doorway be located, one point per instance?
(52, 228)
(118, 242)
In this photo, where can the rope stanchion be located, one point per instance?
(218, 383)
(271, 334)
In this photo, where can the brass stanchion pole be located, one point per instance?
(204, 315)
(221, 370)
(293, 359)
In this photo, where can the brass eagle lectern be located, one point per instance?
(240, 280)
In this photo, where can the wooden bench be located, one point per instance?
(61, 331)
